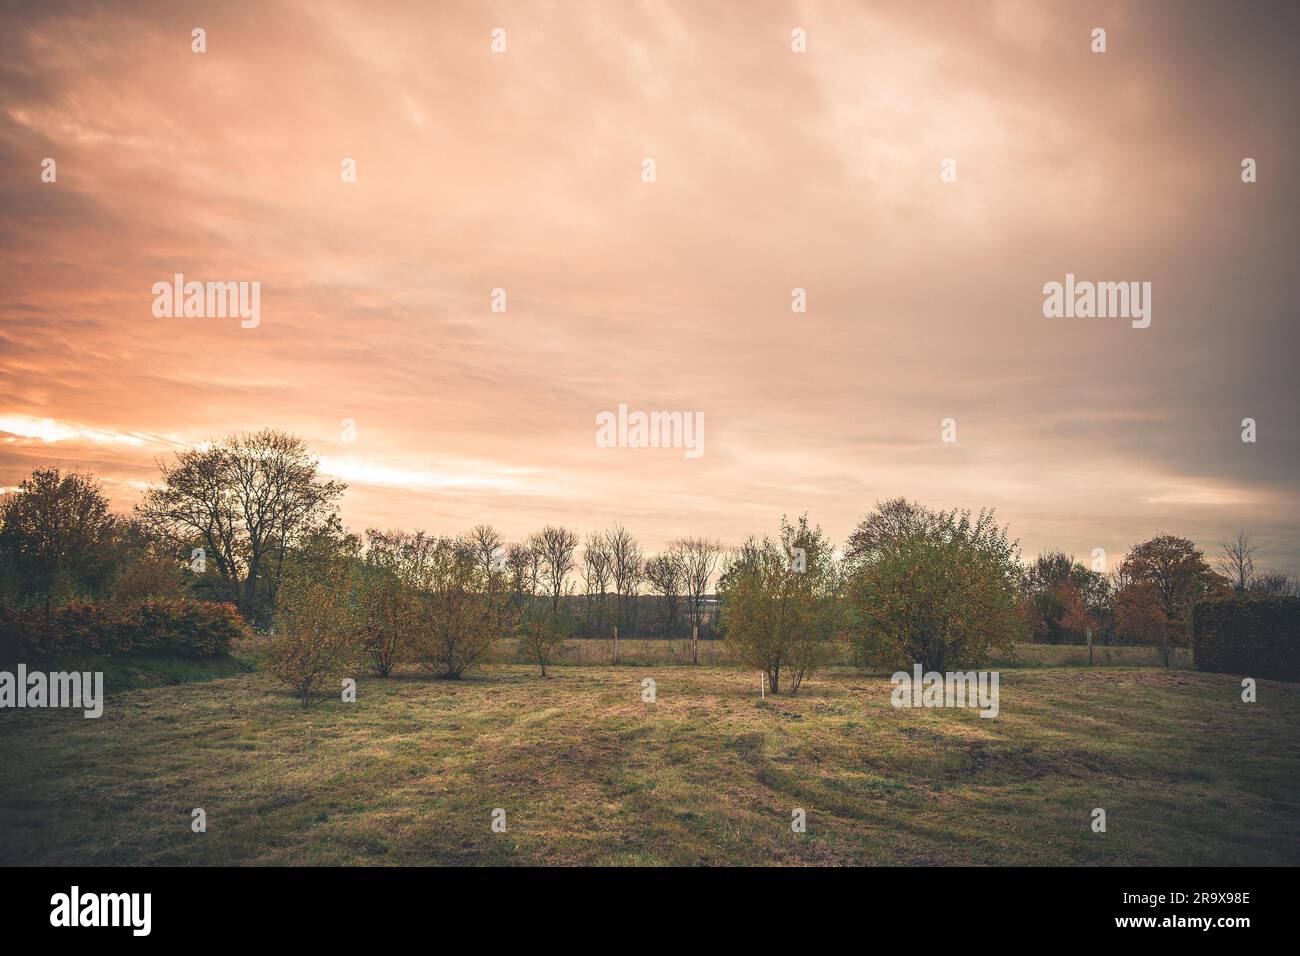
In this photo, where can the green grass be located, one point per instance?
(589, 774)
(136, 671)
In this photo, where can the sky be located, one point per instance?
(525, 170)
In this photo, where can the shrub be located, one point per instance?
(781, 605)
(934, 588)
(318, 626)
(181, 625)
(460, 609)
(1259, 637)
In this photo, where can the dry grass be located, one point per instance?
(588, 773)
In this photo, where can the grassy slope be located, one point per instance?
(136, 671)
(589, 774)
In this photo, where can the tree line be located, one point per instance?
(249, 520)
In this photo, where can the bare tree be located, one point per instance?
(699, 559)
(1275, 584)
(595, 578)
(1237, 561)
(626, 566)
(541, 564)
(489, 550)
(665, 575)
(555, 548)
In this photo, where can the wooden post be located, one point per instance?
(615, 643)
(1089, 647)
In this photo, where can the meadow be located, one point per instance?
(587, 772)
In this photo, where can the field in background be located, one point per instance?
(641, 651)
(588, 773)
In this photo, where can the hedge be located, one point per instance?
(1257, 637)
(183, 625)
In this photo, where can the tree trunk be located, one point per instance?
(615, 643)
(695, 646)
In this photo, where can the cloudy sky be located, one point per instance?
(775, 170)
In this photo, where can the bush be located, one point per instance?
(182, 626)
(317, 639)
(1258, 637)
(934, 588)
(781, 605)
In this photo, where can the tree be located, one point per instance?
(1139, 619)
(541, 627)
(699, 559)
(57, 538)
(315, 641)
(554, 548)
(542, 632)
(1062, 599)
(1237, 561)
(249, 499)
(1275, 584)
(936, 589)
(665, 575)
(894, 520)
(144, 566)
(1178, 576)
(459, 608)
(393, 572)
(595, 578)
(489, 550)
(781, 603)
(625, 561)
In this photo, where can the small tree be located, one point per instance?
(316, 638)
(460, 609)
(389, 597)
(540, 626)
(1237, 561)
(781, 603)
(699, 558)
(542, 633)
(936, 589)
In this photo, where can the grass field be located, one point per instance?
(588, 773)
(642, 651)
